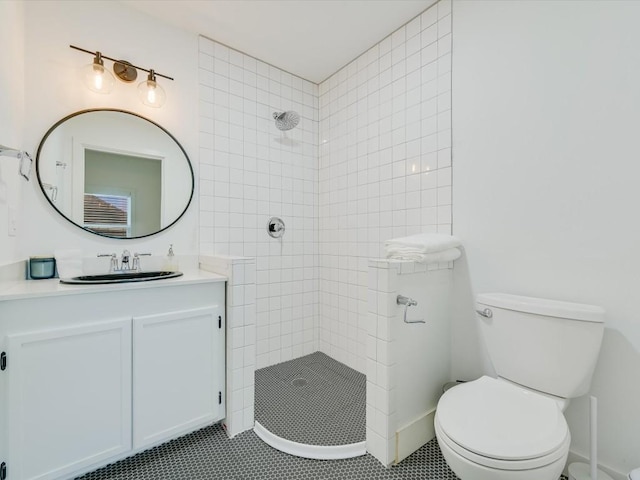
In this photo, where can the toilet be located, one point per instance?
(513, 427)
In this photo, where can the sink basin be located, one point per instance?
(123, 277)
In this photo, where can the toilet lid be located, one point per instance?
(498, 420)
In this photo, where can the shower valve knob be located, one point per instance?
(275, 227)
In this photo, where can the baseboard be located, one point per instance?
(318, 452)
(576, 457)
(414, 435)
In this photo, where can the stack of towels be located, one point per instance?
(424, 248)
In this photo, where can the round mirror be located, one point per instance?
(114, 173)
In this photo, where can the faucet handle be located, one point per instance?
(113, 265)
(136, 260)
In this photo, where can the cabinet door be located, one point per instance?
(176, 374)
(69, 398)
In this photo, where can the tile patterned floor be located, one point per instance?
(314, 400)
(208, 454)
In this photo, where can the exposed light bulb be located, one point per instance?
(97, 78)
(150, 93)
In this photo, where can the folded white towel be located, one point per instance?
(422, 243)
(68, 262)
(444, 256)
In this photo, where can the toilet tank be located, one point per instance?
(546, 345)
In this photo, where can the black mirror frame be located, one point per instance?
(81, 112)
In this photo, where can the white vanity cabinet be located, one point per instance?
(66, 384)
(175, 387)
(93, 377)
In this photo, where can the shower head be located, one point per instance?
(286, 120)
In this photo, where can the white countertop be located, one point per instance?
(24, 289)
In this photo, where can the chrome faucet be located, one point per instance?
(126, 265)
(124, 261)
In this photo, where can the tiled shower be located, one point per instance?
(251, 171)
(385, 167)
(370, 160)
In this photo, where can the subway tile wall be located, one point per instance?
(251, 171)
(384, 167)
(370, 160)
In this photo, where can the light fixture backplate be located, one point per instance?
(125, 71)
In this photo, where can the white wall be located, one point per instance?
(385, 166)
(251, 171)
(54, 89)
(546, 112)
(11, 118)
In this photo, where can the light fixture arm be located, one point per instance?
(99, 56)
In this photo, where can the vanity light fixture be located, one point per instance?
(98, 79)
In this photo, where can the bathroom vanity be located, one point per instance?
(94, 373)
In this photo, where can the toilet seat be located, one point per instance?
(500, 425)
(503, 465)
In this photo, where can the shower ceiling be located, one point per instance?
(309, 38)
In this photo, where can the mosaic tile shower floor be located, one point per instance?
(314, 400)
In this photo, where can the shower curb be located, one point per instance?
(318, 452)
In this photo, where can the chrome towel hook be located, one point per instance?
(26, 162)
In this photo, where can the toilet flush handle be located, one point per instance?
(486, 313)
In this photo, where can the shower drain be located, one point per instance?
(299, 382)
